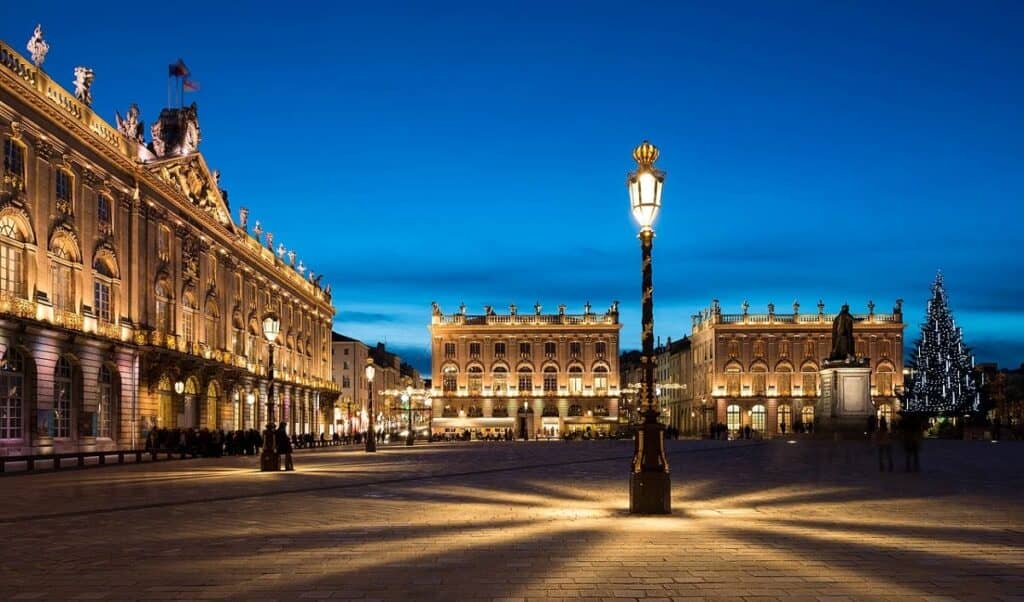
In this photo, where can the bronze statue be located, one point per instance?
(842, 336)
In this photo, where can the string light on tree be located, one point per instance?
(942, 379)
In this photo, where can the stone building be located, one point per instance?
(537, 374)
(124, 278)
(674, 378)
(349, 360)
(762, 370)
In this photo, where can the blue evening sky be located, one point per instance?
(476, 151)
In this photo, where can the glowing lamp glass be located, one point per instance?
(645, 195)
(370, 371)
(271, 326)
(179, 387)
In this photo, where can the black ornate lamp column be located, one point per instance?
(371, 431)
(650, 489)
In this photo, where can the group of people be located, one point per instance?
(911, 433)
(276, 443)
(214, 443)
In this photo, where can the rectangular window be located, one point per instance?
(809, 349)
(103, 210)
(63, 291)
(810, 384)
(525, 383)
(600, 383)
(550, 349)
(101, 301)
(758, 383)
(189, 325)
(785, 383)
(14, 158)
(63, 186)
(238, 287)
(600, 349)
(575, 349)
(732, 384)
(524, 350)
(449, 382)
(474, 350)
(475, 382)
(551, 382)
(163, 315)
(499, 350)
(163, 243)
(210, 331)
(346, 381)
(449, 350)
(11, 280)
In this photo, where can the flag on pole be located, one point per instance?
(178, 69)
(190, 85)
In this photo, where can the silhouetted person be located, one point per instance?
(911, 431)
(284, 446)
(884, 442)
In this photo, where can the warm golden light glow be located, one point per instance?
(645, 185)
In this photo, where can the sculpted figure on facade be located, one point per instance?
(130, 127)
(37, 46)
(192, 137)
(83, 84)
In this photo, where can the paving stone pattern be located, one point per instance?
(523, 521)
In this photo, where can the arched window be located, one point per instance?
(211, 329)
(476, 380)
(785, 418)
(758, 418)
(106, 404)
(807, 415)
(102, 285)
(62, 256)
(784, 380)
(449, 380)
(600, 380)
(550, 380)
(188, 317)
(12, 394)
(63, 398)
(212, 397)
(525, 380)
(885, 411)
(732, 417)
(758, 379)
(883, 380)
(500, 377)
(12, 258)
(809, 380)
(575, 380)
(165, 417)
(163, 306)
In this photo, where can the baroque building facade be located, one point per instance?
(763, 370)
(540, 375)
(123, 278)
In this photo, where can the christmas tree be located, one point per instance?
(942, 367)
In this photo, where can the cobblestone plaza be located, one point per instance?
(536, 520)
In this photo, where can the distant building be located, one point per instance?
(674, 378)
(762, 370)
(537, 374)
(1002, 393)
(391, 375)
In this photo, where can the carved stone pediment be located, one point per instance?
(191, 177)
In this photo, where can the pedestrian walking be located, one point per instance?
(910, 429)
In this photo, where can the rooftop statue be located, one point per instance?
(130, 126)
(83, 84)
(37, 46)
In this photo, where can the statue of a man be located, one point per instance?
(842, 336)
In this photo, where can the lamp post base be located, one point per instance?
(650, 493)
(371, 443)
(650, 488)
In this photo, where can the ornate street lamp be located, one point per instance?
(371, 435)
(650, 490)
(407, 400)
(271, 326)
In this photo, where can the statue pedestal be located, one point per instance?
(845, 403)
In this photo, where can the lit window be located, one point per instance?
(449, 350)
(758, 418)
(101, 300)
(12, 254)
(105, 406)
(449, 379)
(575, 380)
(500, 379)
(525, 381)
(103, 210)
(63, 400)
(600, 380)
(550, 380)
(476, 379)
(14, 159)
(12, 394)
(732, 417)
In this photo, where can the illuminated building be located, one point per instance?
(125, 278)
(762, 370)
(537, 374)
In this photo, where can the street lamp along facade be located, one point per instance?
(371, 431)
(271, 326)
(650, 489)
